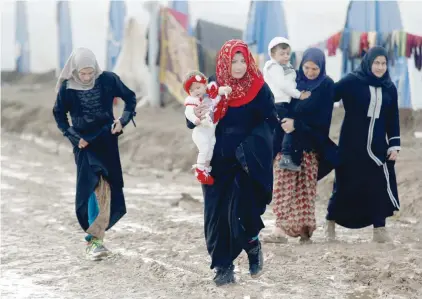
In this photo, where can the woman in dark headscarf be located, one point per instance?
(294, 192)
(241, 163)
(86, 93)
(365, 189)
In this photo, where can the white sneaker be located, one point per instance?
(95, 250)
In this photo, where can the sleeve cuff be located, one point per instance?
(296, 94)
(281, 99)
(126, 117)
(394, 141)
(71, 132)
(189, 124)
(393, 148)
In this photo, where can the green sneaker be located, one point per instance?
(95, 250)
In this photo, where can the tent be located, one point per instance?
(182, 7)
(117, 14)
(65, 32)
(210, 38)
(21, 38)
(266, 19)
(130, 65)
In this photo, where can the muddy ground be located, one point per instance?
(158, 247)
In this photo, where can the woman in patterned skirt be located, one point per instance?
(294, 192)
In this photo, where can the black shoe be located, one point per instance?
(287, 163)
(224, 276)
(256, 260)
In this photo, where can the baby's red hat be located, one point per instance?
(194, 77)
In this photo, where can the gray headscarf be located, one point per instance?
(79, 59)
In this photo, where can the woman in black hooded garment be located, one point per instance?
(365, 187)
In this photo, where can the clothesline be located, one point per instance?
(355, 44)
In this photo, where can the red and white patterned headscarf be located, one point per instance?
(244, 90)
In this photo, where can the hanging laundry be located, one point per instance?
(418, 57)
(413, 46)
(387, 43)
(395, 39)
(418, 53)
(354, 49)
(364, 45)
(402, 44)
(384, 40)
(333, 43)
(410, 44)
(345, 40)
(381, 38)
(321, 45)
(372, 39)
(356, 44)
(293, 59)
(412, 41)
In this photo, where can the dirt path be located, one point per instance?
(159, 249)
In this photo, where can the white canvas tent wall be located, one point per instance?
(130, 65)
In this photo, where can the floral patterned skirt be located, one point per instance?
(294, 197)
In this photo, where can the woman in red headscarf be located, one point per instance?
(241, 163)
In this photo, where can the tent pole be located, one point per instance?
(153, 44)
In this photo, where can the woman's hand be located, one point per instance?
(117, 128)
(393, 155)
(224, 90)
(82, 143)
(200, 111)
(304, 95)
(288, 125)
